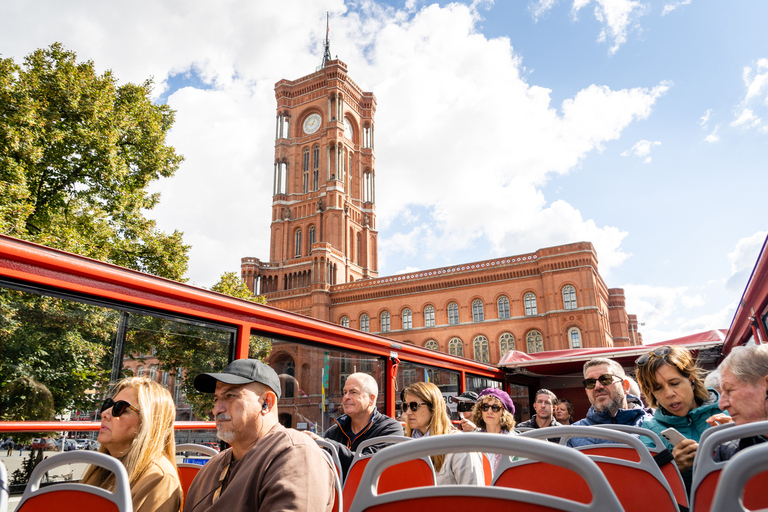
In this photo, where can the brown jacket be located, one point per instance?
(285, 470)
(158, 489)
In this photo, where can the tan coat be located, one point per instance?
(158, 489)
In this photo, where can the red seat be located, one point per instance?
(189, 470)
(75, 497)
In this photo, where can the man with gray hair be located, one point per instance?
(607, 388)
(744, 394)
(360, 421)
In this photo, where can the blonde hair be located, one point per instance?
(153, 440)
(507, 421)
(440, 423)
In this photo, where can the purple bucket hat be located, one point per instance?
(501, 395)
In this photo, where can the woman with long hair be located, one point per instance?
(425, 415)
(494, 413)
(137, 429)
(672, 382)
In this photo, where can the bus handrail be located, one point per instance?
(73, 426)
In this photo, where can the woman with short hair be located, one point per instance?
(137, 429)
(494, 413)
(425, 415)
(564, 412)
(673, 384)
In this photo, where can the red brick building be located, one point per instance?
(323, 250)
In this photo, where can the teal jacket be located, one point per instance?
(692, 425)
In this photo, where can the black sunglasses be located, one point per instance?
(413, 405)
(494, 407)
(118, 408)
(605, 379)
(658, 352)
(464, 406)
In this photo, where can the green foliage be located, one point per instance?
(78, 152)
(231, 284)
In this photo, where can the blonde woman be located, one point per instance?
(425, 415)
(137, 429)
(494, 413)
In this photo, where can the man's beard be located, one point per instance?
(225, 435)
(613, 406)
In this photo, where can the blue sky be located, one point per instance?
(502, 127)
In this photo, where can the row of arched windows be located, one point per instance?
(534, 342)
(478, 311)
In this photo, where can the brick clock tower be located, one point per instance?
(323, 229)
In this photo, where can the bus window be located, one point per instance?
(311, 376)
(447, 380)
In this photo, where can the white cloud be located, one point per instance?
(705, 118)
(668, 8)
(616, 16)
(757, 84)
(432, 74)
(642, 149)
(539, 8)
(743, 259)
(755, 98)
(713, 137)
(746, 119)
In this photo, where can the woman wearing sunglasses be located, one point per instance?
(137, 429)
(425, 415)
(674, 385)
(494, 413)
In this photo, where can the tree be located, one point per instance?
(78, 152)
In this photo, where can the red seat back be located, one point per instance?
(67, 501)
(541, 477)
(406, 475)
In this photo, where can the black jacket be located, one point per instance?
(341, 435)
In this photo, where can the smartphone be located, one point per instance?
(673, 436)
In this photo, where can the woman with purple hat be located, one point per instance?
(494, 413)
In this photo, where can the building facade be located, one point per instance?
(323, 249)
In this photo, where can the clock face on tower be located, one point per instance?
(347, 129)
(311, 124)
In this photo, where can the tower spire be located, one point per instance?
(327, 54)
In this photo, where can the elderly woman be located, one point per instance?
(425, 415)
(671, 382)
(494, 413)
(137, 429)
(564, 412)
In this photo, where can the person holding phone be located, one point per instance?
(673, 383)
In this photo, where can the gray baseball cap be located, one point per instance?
(240, 371)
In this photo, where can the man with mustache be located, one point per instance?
(607, 388)
(267, 467)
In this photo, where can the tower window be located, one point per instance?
(298, 243)
(311, 236)
(503, 306)
(569, 297)
(453, 313)
(478, 313)
(530, 304)
(305, 181)
(316, 168)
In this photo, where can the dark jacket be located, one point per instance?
(634, 415)
(727, 450)
(346, 441)
(531, 423)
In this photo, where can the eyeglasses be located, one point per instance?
(118, 408)
(658, 352)
(494, 407)
(413, 405)
(606, 380)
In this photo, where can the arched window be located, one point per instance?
(574, 337)
(153, 372)
(357, 253)
(503, 306)
(407, 319)
(535, 342)
(385, 321)
(569, 297)
(316, 168)
(364, 323)
(456, 347)
(506, 343)
(530, 304)
(298, 243)
(453, 313)
(429, 316)
(481, 349)
(344, 321)
(432, 345)
(140, 371)
(478, 314)
(165, 379)
(311, 236)
(305, 181)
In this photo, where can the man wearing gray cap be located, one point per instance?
(267, 466)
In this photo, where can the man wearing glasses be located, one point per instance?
(608, 391)
(267, 467)
(360, 421)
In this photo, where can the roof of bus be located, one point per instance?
(560, 362)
